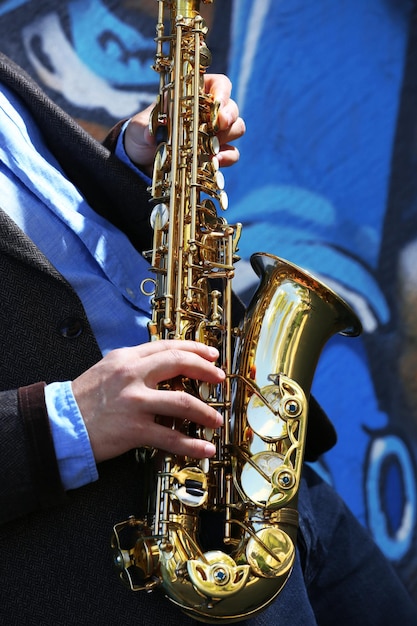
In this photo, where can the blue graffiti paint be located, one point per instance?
(304, 227)
(11, 5)
(320, 104)
(114, 50)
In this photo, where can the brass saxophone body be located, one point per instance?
(269, 360)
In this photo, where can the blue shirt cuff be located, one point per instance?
(72, 444)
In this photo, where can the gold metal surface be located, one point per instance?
(252, 482)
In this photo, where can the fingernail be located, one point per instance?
(213, 352)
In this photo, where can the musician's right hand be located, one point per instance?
(119, 400)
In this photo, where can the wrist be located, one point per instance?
(72, 445)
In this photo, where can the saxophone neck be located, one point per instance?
(187, 8)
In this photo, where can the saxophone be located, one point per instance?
(252, 482)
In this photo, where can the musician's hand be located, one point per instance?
(118, 398)
(231, 126)
(140, 144)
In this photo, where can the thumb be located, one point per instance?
(139, 143)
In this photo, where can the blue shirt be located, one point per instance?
(94, 256)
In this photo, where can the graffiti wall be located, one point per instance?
(326, 179)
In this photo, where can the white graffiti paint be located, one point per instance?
(395, 545)
(71, 77)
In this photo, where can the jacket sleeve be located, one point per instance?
(30, 475)
(111, 140)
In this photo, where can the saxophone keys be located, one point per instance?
(219, 178)
(135, 554)
(205, 465)
(206, 391)
(223, 200)
(159, 216)
(205, 52)
(262, 417)
(256, 477)
(284, 479)
(210, 145)
(190, 486)
(270, 552)
(217, 576)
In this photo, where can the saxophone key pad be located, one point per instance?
(159, 216)
(256, 476)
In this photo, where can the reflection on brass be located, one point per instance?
(252, 482)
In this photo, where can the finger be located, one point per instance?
(181, 405)
(173, 363)
(139, 143)
(153, 347)
(219, 86)
(176, 442)
(228, 115)
(228, 155)
(235, 131)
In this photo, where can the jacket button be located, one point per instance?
(71, 327)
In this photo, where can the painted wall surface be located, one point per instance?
(326, 179)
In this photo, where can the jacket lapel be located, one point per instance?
(15, 243)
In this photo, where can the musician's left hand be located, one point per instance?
(140, 144)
